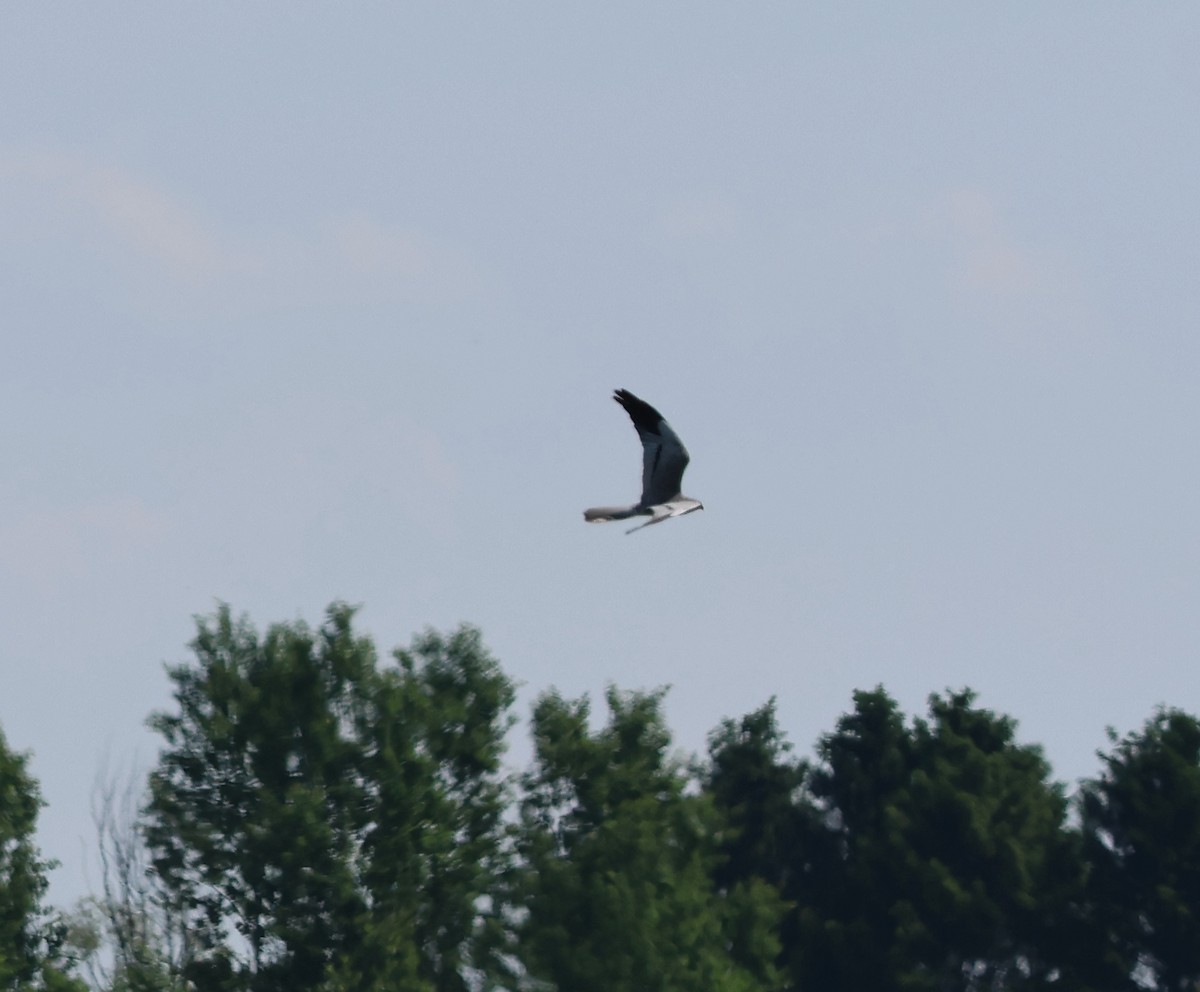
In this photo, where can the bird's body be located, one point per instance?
(663, 460)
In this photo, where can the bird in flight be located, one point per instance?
(663, 460)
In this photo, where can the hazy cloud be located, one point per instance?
(1027, 293)
(986, 256)
(370, 247)
(151, 233)
(44, 546)
(126, 213)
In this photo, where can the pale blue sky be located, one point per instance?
(305, 302)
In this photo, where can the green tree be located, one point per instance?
(433, 850)
(253, 802)
(845, 924)
(757, 785)
(30, 940)
(997, 861)
(324, 823)
(757, 789)
(617, 888)
(1141, 828)
(944, 861)
(129, 937)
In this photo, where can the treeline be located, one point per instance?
(319, 820)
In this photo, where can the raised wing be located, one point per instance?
(663, 455)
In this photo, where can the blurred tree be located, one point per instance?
(997, 861)
(617, 889)
(255, 799)
(756, 784)
(764, 818)
(944, 861)
(324, 823)
(30, 939)
(433, 851)
(130, 937)
(1141, 828)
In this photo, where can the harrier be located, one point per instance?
(663, 460)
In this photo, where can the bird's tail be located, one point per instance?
(602, 514)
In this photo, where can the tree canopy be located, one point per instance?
(321, 819)
(326, 822)
(1141, 830)
(618, 860)
(30, 939)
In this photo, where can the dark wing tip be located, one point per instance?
(643, 415)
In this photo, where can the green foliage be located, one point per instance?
(320, 821)
(30, 940)
(757, 790)
(618, 857)
(22, 877)
(253, 802)
(129, 937)
(433, 847)
(341, 820)
(1141, 826)
(943, 861)
(757, 786)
